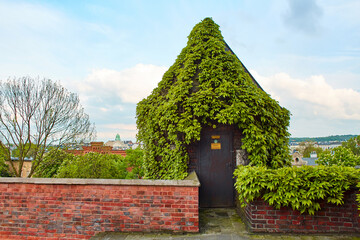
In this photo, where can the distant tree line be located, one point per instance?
(335, 138)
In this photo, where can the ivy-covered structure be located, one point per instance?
(205, 93)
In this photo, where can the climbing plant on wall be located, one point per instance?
(207, 86)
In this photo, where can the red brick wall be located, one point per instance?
(262, 218)
(79, 211)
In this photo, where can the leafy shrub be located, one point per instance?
(353, 144)
(340, 156)
(59, 163)
(134, 161)
(301, 188)
(4, 168)
(93, 165)
(51, 163)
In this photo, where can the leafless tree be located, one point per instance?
(36, 114)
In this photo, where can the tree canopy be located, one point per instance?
(339, 156)
(207, 86)
(93, 165)
(338, 138)
(51, 163)
(4, 168)
(353, 144)
(306, 148)
(36, 114)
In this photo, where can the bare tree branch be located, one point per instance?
(36, 114)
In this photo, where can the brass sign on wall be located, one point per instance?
(215, 145)
(215, 142)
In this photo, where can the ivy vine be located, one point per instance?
(206, 86)
(306, 186)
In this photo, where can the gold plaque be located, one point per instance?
(215, 137)
(215, 145)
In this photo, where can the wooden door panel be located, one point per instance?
(216, 169)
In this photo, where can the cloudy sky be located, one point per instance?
(305, 53)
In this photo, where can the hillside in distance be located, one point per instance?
(337, 138)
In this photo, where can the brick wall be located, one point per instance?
(80, 208)
(262, 218)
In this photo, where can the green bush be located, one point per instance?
(353, 144)
(51, 163)
(340, 156)
(60, 164)
(4, 168)
(301, 188)
(134, 160)
(93, 165)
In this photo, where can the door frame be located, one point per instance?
(216, 131)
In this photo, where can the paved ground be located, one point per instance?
(215, 224)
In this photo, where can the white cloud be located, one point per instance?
(313, 95)
(109, 96)
(130, 85)
(111, 108)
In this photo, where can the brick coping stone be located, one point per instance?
(191, 181)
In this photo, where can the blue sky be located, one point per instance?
(305, 53)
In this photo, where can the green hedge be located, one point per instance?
(60, 164)
(93, 165)
(301, 188)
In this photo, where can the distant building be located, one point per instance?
(98, 147)
(310, 161)
(294, 146)
(117, 138)
(328, 145)
(26, 168)
(297, 159)
(135, 145)
(313, 154)
(117, 144)
(323, 145)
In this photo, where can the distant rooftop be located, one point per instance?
(310, 161)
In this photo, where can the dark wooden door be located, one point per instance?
(216, 168)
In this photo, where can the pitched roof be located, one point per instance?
(227, 48)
